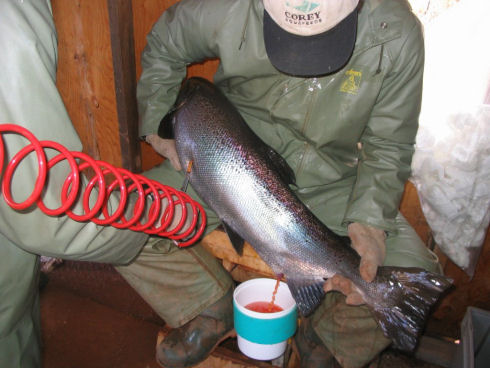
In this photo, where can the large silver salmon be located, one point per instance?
(247, 184)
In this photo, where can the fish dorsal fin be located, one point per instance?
(235, 239)
(285, 171)
(307, 292)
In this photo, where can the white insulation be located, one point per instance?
(451, 165)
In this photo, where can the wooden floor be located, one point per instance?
(79, 332)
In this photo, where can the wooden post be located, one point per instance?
(122, 43)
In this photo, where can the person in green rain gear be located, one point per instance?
(29, 98)
(335, 88)
(345, 126)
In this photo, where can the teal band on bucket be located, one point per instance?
(265, 331)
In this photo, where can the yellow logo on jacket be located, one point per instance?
(351, 82)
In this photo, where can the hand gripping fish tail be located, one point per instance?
(247, 184)
(399, 298)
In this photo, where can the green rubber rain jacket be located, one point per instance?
(348, 136)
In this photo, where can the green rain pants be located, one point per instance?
(180, 283)
(19, 306)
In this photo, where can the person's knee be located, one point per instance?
(406, 249)
(345, 331)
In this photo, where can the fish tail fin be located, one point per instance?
(308, 293)
(408, 295)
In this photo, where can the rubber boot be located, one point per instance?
(193, 342)
(310, 349)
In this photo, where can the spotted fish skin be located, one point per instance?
(247, 184)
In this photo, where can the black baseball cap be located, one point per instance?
(309, 38)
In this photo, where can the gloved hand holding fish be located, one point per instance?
(369, 243)
(247, 184)
(166, 148)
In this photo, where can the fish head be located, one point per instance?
(190, 88)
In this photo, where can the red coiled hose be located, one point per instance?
(159, 217)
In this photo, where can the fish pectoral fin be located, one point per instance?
(307, 292)
(165, 129)
(235, 239)
(285, 171)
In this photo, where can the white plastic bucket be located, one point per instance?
(263, 336)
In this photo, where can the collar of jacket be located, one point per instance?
(377, 24)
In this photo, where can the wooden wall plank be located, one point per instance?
(411, 209)
(121, 31)
(85, 75)
(145, 14)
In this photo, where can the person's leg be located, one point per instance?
(20, 335)
(191, 291)
(350, 332)
(187, 287)
(177, 283)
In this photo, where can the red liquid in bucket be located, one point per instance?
(263, 307)
(266, 307)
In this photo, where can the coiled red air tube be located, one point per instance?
(158, 215)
